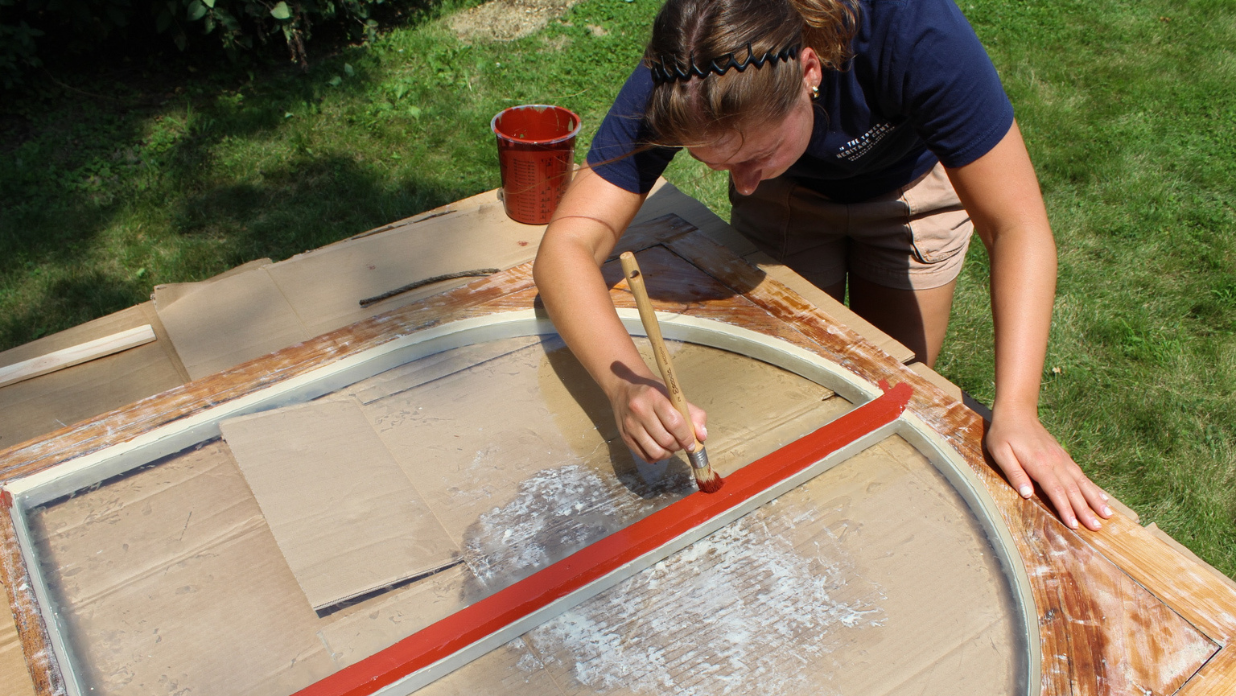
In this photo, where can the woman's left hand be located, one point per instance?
(1026, 451)
(1001, 193)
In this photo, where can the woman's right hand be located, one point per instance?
(582, 235)
(649, 423)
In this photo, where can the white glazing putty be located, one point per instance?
(763, 609)
(556, 513)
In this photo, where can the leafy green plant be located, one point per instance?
(239, 22)
(18, 51)
(238, 25)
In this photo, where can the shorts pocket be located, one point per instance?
(940, 235)
(939, 226)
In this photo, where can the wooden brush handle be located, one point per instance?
(635, 279)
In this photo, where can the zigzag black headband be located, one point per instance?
(665, 71)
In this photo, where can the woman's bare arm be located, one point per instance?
(1001, 193)
(582, 234)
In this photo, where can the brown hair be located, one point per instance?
(690, 36)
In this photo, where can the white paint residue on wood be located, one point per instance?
(758, 608)
(556, 513)
(553, 509)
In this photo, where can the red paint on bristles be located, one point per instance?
(708, 480)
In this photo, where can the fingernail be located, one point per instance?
(1025, 491)
(704, 432)
(1105, 498)
(1072, 523)
(1107, 512)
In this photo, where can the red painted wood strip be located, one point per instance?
(486, 617)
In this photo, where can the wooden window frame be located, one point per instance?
(786, 330)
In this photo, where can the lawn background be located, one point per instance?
(118, 176)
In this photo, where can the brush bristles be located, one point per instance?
(707, 480)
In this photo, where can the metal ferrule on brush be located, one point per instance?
(699, 458)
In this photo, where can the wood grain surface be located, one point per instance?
(44, 672)
(76, 355)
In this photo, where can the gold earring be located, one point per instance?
(815, 92)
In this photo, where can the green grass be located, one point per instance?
(169, 175)
(1131, 122)
(101, 198)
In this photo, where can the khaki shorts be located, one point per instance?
(914, 238)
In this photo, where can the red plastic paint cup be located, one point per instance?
(536, 153)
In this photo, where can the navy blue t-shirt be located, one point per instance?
(920, 89)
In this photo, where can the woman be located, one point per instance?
(865, 140)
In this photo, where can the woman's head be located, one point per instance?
(724, 66)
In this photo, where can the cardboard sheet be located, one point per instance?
(172, 583)
(229, 321)
(433, 367)
(52, 401)
(262, 307)
(346, 518)
(870, 579)
(325, 286)
(168, 293)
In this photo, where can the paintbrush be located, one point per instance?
(707, 479)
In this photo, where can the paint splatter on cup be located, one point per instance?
(536, 154)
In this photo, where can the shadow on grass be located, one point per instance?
(306, 203)
(84, 198)
(78, 130)
(309, 202)
(66, 302)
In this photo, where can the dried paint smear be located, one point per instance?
(732, 613)
(556, 513)
(762, 609)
